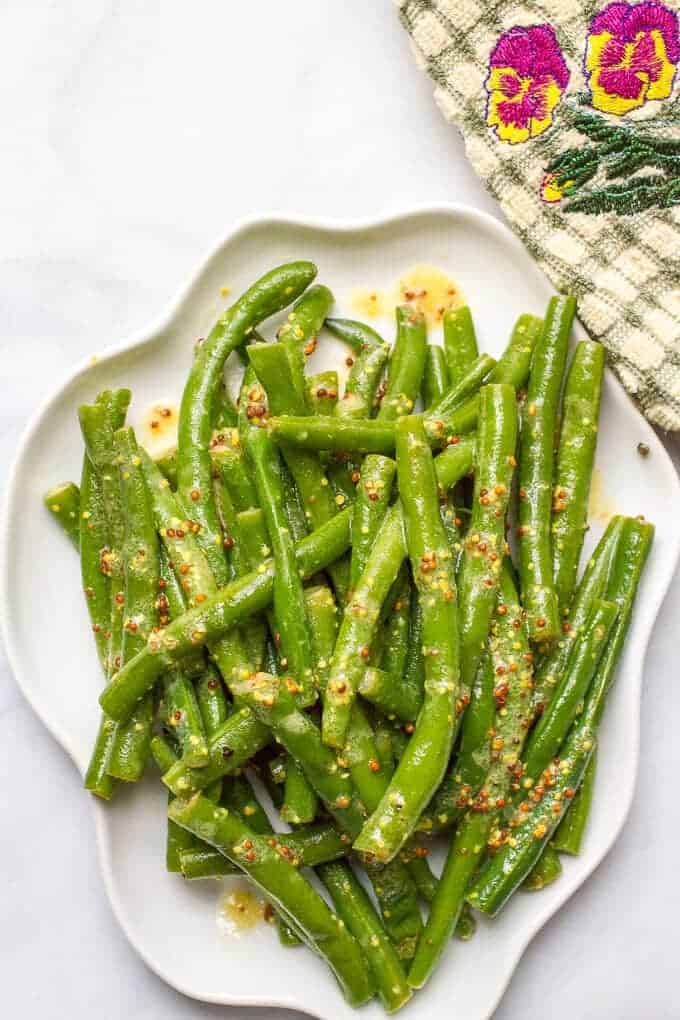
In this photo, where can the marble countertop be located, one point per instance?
(134, 135)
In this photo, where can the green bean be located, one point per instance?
(273, 369)
(289, 604)
(436, 376)
(229, 463)
(183, 716)
(64, 502)
(356, 911)
(467, 925)
(292, 507)
(479, 574)
(227, 608)
(397, 625)
(356, 335)
(551, 728)
(358, 626)
(284, 886)
(460, 341)
(484, 544)
(407, 363)
(548, 801)
(592, 586)
(212, 702)
(230, 747)
(337, 435)
(207, 685)
(141, 566)
(574, 466)
(468, 384)
(373, 496)
(546, 871)
(101, 538)
(569, 835)
(322, 614)
(366, 369)
(536, 471)
(508, 650)
(322, 393)
(384, 691)
(308, 846)
(299, 800)
(265, 297)
(413, 784)
(299, 332)
(167, 465)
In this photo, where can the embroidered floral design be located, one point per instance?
(631, 56)
(527, 78)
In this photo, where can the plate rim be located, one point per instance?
(148, 334)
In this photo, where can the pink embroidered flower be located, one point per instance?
(527, 77)
(632, 55)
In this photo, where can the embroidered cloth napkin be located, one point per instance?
(571, 116)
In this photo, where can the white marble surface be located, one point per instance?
(134, 134)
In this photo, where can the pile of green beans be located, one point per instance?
(311, 606)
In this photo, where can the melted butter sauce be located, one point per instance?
(427, 288)
(158, 428)
(239, 910)
(600, 505)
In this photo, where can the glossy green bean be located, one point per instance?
(568, 838)
(508, 649)
(356, 911)
(373, 496)
(63, 501)
(460, 341)
(141, 565)
(421, 768)
(435, 376)
(284, 886)
(574, 464)
(406, 366)
(359, 624)
(265, 297)
(290, 612)
(553, 725)
(592, 586)
(539, 596)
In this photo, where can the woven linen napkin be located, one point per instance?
(571, 116)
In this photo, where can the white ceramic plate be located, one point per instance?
(172, 923)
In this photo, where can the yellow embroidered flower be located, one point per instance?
(552, 190)
(527, 78)
(632, 55)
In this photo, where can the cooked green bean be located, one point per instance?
(64, 502)
(422, 765)
(539, 596)
(460, 341)
(284, 886)
(574, 464)
(435, 376)
(265, 297)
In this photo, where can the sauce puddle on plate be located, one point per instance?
(239, 910)
(427, 288)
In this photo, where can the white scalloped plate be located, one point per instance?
(172, 923)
